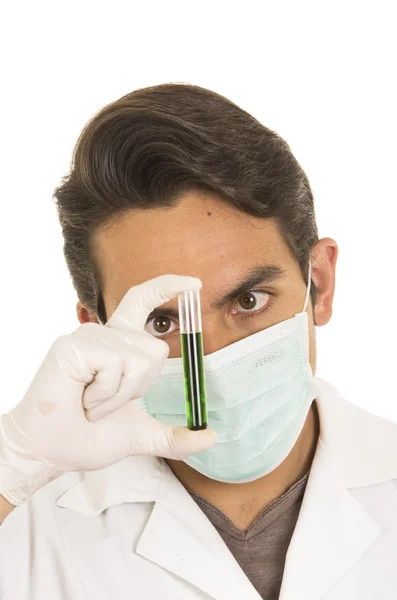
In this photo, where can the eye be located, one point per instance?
(251, 303)
(160, 326)
(253, 299)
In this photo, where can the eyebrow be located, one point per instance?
(260, 274)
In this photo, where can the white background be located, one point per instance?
(321, 74)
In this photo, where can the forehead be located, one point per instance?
(201, 236)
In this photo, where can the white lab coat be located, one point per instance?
(132, 532)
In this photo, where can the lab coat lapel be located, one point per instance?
(180, 538)
(177, 535)
(333, 531)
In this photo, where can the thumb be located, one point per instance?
(182, 442)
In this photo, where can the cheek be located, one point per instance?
(175, 347)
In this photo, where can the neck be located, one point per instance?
(242, 502)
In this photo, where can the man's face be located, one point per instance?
(204, 237)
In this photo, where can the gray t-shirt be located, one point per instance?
(262, 548)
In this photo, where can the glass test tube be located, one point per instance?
(192, 355)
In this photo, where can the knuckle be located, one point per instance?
(157, 347)
(123, 336)
(139, 366)
(163, 349)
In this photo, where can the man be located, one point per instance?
(175, 187)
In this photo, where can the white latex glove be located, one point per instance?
(81, 411)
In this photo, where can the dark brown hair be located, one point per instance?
(151, 146)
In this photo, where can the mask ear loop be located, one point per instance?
(308, 286)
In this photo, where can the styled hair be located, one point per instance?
(154, 145)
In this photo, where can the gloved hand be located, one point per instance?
(81, 411)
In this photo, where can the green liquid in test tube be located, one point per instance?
(193, 359)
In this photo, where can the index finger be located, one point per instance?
(140, 300)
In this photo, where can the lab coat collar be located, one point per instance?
(134, 479)
(362, 445)
(355, 449)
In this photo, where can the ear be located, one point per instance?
(324, 257)
(84, 315)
